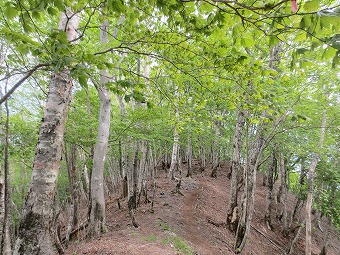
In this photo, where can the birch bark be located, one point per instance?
(35, 234)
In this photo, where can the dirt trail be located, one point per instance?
(195, 225)
(189, 218)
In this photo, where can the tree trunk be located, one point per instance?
(324, 250)
(97, 213)
(203, 161)
(5, 245)
(270, 187)
(233, 210)
(142, 169)
(216, 150)
(175, 147)
(299, 200)
(189, 157)
(74, 191)
(248, 197)
(2, 178)
(123, 166)
(34, 235)
(295, 239)
(309, 202)
(283, 173)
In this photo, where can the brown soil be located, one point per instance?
(192, 224)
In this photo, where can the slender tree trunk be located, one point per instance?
(270, 188)
(189, 157)
(175, 146)
(324, 250)
(142, 170)
(299, 200)
(174, 155)
(216, 150)
(283, 172)
(97, 214)
(233, 210)
(296, 238)
(2, 179)
(203, 161)
(248, 198)
(5, 247)
(84, 172)
(309, 202)
(73, 183)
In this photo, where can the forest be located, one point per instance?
(169, 127)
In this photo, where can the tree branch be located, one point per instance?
(27, 75)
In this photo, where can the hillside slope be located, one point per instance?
(192, 223)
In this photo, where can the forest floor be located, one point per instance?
(192, 223)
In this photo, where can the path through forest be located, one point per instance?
(192, 220)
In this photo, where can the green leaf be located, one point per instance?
(336, 59)
(10, 12)
(59, 4)
(83, 81)
(36, 15)
(52, 11)
(273, 41)
(312, 6)
(328, 53)
(149, 105)
(127, 98)
(27, 28)
(305, 64)
(335, 41)
(302, 51)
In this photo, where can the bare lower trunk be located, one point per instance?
(174, 155)
(299, 201)
(326, 239)
(248, 198)
(295, 239)
(34, 235)
(233, 210)
(216, 150)
(73, 183)
(5, 245)
(309, 202)
(189, 157)
(2, 180)
(142, 171)
(97, 213)
(283, 173)
(132, 202)
(203, 161)
(270, 187)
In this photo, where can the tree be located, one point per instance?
(309, 201)
(97, 211)
(36, 235)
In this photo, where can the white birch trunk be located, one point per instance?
(35, 234)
